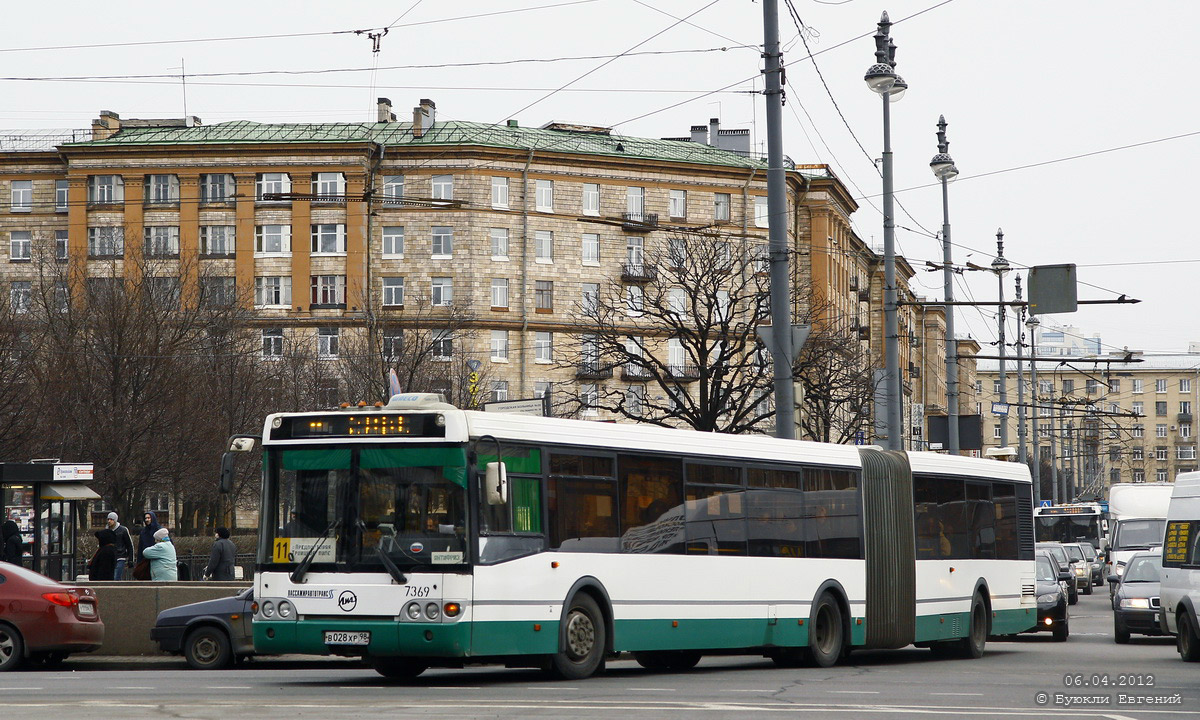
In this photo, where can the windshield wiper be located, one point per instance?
(301, 570)
(388, 563)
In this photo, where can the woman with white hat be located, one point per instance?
(162, 558)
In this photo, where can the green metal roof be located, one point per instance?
(449, 133)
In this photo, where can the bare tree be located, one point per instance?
(837, 377)
(682, 334)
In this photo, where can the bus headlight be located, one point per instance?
(268, 609)
(413, 611)
(285, 609)
(432, 611)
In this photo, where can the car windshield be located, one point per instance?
(1089, 552)
(1139, 534)
(1143, 569)
(1056, 551)
(1073, 552)
(1045, 571)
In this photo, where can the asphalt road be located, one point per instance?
(1005, 683)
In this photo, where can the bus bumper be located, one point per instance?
(388, 638)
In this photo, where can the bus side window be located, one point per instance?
(1004, 504)
(927, 526)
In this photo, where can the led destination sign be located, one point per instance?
(359, 425)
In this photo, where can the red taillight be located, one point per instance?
(65, 599)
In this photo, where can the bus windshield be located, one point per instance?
(348, 505)
(1068, 528)
(1139, 534)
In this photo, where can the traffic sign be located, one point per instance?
(474, 364)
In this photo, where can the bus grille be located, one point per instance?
(1028, 590)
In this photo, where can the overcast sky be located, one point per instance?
(1021, 82)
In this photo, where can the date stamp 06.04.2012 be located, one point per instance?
(1091, 689)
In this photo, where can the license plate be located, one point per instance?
(338, 637)
(87, 609)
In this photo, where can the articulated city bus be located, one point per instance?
(416, 534)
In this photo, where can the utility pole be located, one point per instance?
(1000, 267)
(1054, 451)
(1032, 323)
(944, 170)
(1021, 454)
(782, 352)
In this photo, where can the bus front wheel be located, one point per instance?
(583, 641)
(397, 668)
(827, 637)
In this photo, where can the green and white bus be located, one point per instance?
(415, 534)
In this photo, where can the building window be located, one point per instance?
(591, 199)
(635, 255)
(1160, 452)
(1160, 386)
(499, 390)
(393, 292)
(677, 251)
(20, 296)
(1139, 431)
(1139, 476)
(979, 386)
(62, 195)
(443, 241)
(61, 244)
(591, 248)
(20, 245)
(443, 291)
(677, 302)
(443, 345)
(216, 188)
(635, 300)
(1138, 453)
(1160, 430)
(1160, 409)
(1185, 452)
(678, 204)
(635, 203)
(996, 431)
(164, 291)
(1068, 386)
(162, 241)
(1114, 453)
(327, 342)
(271, 184)
(218, 240)
(589, 398)
(272, 342)
(500, 193)
(589, 298)
(443, 187)
(1185, 430)
(722, 203)
(329, 187)
(500, 293)
(995, 387)
(1114, 385)
(393, 190)
(544, 197)
(499, 345)
(22, 196)
(393, 241)
(162, 189)
(272, 239)
(1185, 407)
(543, 244)
(273, 291)
(543, 347)
(1045, 387)
(1137, 386)
(328, 290)
(1139, 408)
(541, 388)
(635, 399)
(499, 237)
(106, 189)
(218, 291)
(1185, 385)
(393, 345)
(1160, 475)
(543, 295)
(329, 239)
(107, 241)
(762, 214)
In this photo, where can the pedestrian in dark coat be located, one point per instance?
(104, 562)
(11, 551)
(146, 537)
(222, 557)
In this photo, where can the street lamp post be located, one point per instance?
(1000, 267)
(944, 170)
(882, 78)
(1032, 323)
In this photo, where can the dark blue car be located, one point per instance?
(212, 634)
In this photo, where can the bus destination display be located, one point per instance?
(359, 425)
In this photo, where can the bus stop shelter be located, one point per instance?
(43, 499)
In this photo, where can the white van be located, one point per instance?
(1180, 588)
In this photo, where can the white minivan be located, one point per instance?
(1180, 587)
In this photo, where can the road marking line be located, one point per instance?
(230, 687)
(745, 690)
(964, 694)
(134, 687)
(655, 689)
(855, 692)
(552, 689)
(22, 688)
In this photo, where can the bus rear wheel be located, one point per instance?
(397, 668)
(583, 641)
(677, 660)
(827, 638)
(973, 644)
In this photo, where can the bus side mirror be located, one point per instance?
(496, 481)
(226, 485)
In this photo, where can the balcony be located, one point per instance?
(864, 295)
(683, 373)
(592, 371)
(633, 372)
(638, 272)
(1184, 418)
(639, 222)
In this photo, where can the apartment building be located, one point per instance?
(317, 226)
(1105, 422)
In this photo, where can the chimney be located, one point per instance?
(699, 133)
(107, 125)
(714, 129)
(424, 116)
(383, 111)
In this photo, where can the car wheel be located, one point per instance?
(1120, 634)
(1186, 641)
(1072, 596)
(826, 640)
(1061, 632)
(12, 648)
(208, 648)
(584, 641)
(1087, 589)
(397, 668)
